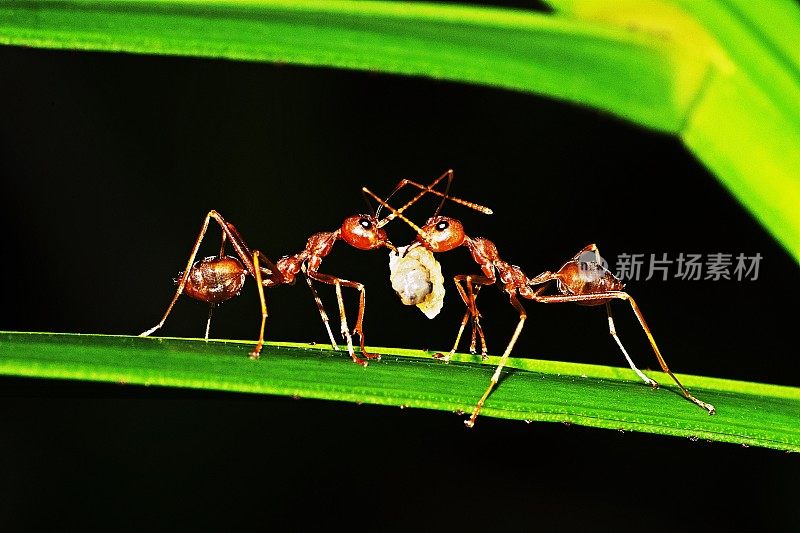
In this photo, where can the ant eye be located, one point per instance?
(365, 223)
(443, 225)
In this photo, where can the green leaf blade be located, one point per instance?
(734, 118)
(745, 123)
(721, 79)
(603, 397)
(501, 48)
(649, 63)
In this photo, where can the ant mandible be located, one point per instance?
(580, 280)
(219, 278)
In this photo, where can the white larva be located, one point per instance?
(417, 279)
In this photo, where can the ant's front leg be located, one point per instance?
(469, 296)
(467, 314)
(256, 353)
(359, 329)
(472, 292)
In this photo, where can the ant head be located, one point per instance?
(443, 234)
(362, 232)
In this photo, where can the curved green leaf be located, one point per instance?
(744, 123)
(605, 397)
(717, 74)
(510, 49)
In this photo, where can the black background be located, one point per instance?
(109, 163)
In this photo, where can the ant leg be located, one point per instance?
(345, 329)
(541, 279)
(321, 309)
(211, 305)
(446, 358)
(222, 245)
(359, 329)
(469, 302)
(613, 332)
(236, 241)
(208, 322)
(473, 291)
(257, 350)
(338, 283)
(467, 314)
(496, 376)
(474, 284)
(625, 296)
(472, 311)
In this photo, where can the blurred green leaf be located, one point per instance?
(722, 75)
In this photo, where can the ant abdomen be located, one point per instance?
(587, 277)
(215, 279)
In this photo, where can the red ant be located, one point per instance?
(582, 281)
(219, 278)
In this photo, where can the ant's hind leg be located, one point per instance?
(345, 331)
(613, 332)
(625, 296)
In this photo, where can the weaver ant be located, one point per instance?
(219, 278)
(582, 280)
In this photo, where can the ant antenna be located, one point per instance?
(424, 190)
(396, 213)
(369, 205)
(449, 175)
(430, 189)
(399, 186)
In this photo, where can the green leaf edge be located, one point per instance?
(399, 382)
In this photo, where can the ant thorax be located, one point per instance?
(417, 279)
